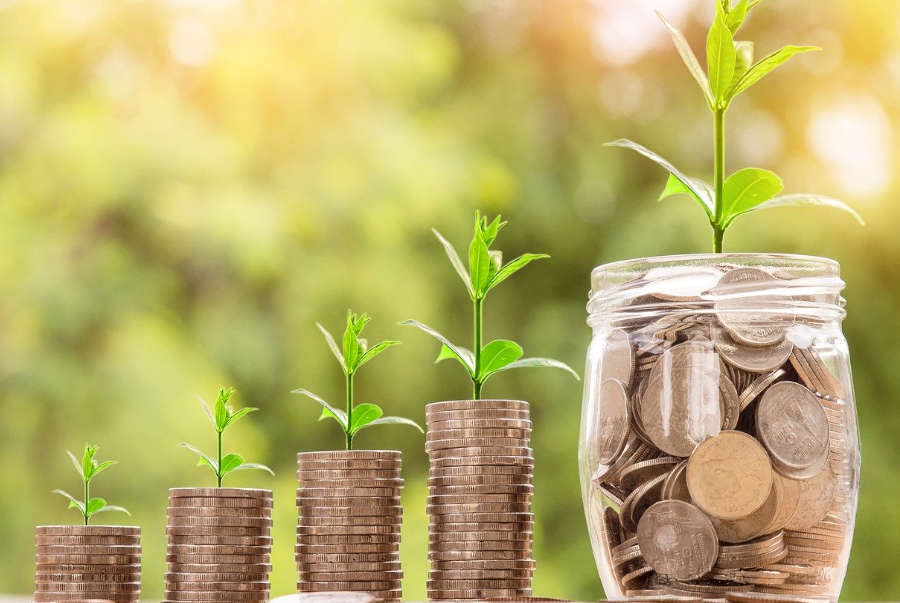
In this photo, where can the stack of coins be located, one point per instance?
(718, 422)
(219, 545)
(479, 499)
(88, 562)
(349, 519)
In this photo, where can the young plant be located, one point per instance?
(730, 70)
(486, 271)
(221, 419)
(352, 355)
(88, 468)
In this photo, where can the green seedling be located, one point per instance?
(730, 70)
(221, 419)
(352, 355)
(486, 271)
(88, 468)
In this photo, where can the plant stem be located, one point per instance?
(349, 438)
(479, 334)
(219, 472)
(719, 179)
(87, 497)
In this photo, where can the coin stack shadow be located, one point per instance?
(219, 545)
(348, 522)
(479, 499)
(88, 562)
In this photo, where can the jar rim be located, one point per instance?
(811, 264)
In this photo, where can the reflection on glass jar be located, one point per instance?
(719, 451)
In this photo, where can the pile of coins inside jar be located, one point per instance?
(349, 519)
(219, 545)
(721, 443)
(479, 499)
(88, 562)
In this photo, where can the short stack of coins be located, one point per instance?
(719, 422)
(480, 486)
(80, 562)
(219, 545)
(348, 522)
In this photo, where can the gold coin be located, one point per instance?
(393, 537)
(456, 499)
(484, 526)
(483, 565)
(374, 503)
(482, 470)
(221, 540)
(220, 568)
(755, 524)
(468, 461)
(484, 545)
(263, 512)
(83, 568)
(355, 566)
(352, 576)
(219, 521)
(481, 450)
(86, 540)
(466, 555)
(686, 528)
(389, 466)
(217, 531)
(350, 455)
(475, 405)
(348, 492)
(394, 483)
(477, 415)
(496, 423)
(348, 529)
(436, 435)
(188, 595)
(349, 520)
(815, 497)
(254, 493)
(478, 508)
(217, 549)
(482, 489)
(226, 586)
(453, 446)
(178, 577)
(81, 530)
(306, 552)
(514, 517)
(75, 559)
(729, 475)
(88, 587)
(482, 593)
(216, 503)
(345, 474)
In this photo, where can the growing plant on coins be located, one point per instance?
(88, 468)
(221, 419)
(486, 271)
(730, 70)
(352, 355)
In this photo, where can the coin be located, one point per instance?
(474, 450)
(479, 508)
(479, 527)
(224, 568)
(219, 521)
(77, 559)
(217, 549)
(475, 404)
(467, 555)
(331, 559)
(758, 386)
(314, 547)
(379, 520)
(264, 512)
(86, 597)
(729, 476)
(496, 535)
(638, 473)
(485, 489)
(502, 423)
(223, 502)
(75, 540)
(217, 531)
(481, 593)
(479, 480)
(640, 499)
(86, 568)
(254, 493)
(346, 474)
(456, 499)
(463, 584)
(317, 537)
(349, 455)
(88, 587)
(363, 482)
(380, 575)
(226, 586)
(381, 566)
(90, 549)
(357, 503)
(176, 577)
(456, 445)
(468, 461)
(737, 306)
(792, 426)
(680, 283)
(181, 595)
(483, 545)
(484, 565)
(82, 530)
(754, 524)
(508, 469)
(754, 359)
(677, 540)
(814, 498)
(477, 414)
(221, 540)
(320, 530)
(611, 421)
(468, 517)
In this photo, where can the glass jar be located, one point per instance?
(719, 449)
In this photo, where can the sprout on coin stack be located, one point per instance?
(480, 480)
(719, 453)
(85, 561)
(349, 512)
(219, 539)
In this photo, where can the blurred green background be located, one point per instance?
(186, 187)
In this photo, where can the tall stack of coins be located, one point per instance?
(479, 499)
(88, 562)
(349, 519)
(219, 545)
(714, 419)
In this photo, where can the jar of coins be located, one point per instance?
(719, 450)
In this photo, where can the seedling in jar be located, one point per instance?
(352, 355)
(88, 468)
(485, 272)
(730, 71)
(223, 417)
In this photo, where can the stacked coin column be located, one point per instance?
(479, 502)
(88, 562)
(349, 518)
(219, 544)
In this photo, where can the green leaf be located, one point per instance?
(747, 188)
(351, 342)
(456, 262)
(74, 503)
(736, 16)
(689, 58)
(689, 183)
(539, 363)
(743, 53)
(465, 357)
(115, 508)
(514, 266)
(338, 415)
(77, 464)
(720, 60)
(363, 414)
(240, 414)
(87, 461)
(334, 347)
(393, 421)
(490, 230)
(230, 462)
(222, 409)
(103, 467)
(674, 187)
(94, 505)
(497, 354)
(479, 264)
(802, 199)
(245, 466)
(208, 411)
(374, 351)
(204, 458)
(765, 65)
